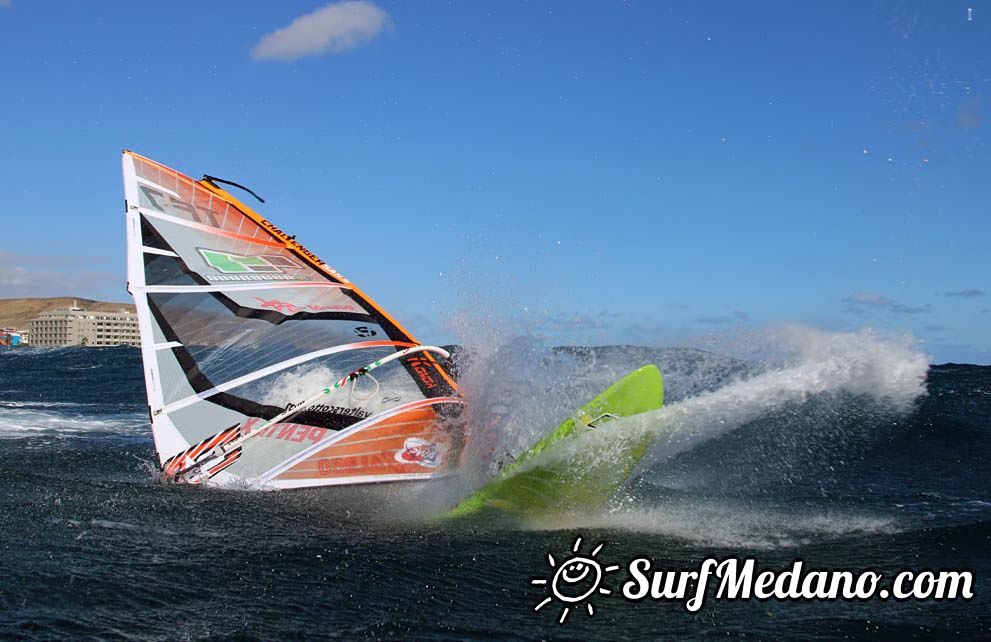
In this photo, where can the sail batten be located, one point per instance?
(237, 286)
(240, 322)
(175, 220)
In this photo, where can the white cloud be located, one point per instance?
(738, 316)
(335, 28)
(869, 298)
(6, 4)
(39, 276)
(858, 301)
(968, 293)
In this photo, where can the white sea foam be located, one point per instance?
(724, 524)
(41, 404)
(24, 420)
(297, 384)
(794, 365)
(889, 371)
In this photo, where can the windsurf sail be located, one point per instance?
(241, 325)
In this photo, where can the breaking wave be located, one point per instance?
(20, 419)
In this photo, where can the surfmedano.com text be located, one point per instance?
(740, 579)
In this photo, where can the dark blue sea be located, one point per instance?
(848, 452)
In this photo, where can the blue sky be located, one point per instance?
(591, 172)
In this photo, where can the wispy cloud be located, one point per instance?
(714, 320)
(969, 113)
(563, 322)
(335, 28)
(23, 275)
(969, 292)
(858, 302)
(868, 298)
(8, 259)
(6, 4)
(738, 316)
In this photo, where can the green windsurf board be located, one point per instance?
(547, 479)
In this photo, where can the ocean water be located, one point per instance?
(843, 450)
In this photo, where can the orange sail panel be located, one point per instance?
(414, 442)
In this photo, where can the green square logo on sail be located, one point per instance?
(229, 263)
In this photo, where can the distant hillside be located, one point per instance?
(17, 313)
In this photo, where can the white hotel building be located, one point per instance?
(77, 327)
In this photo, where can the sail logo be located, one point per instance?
(296, 245)
(364, 331)
(292, 308)
(263, 264)
(419, 451)
(421, 367)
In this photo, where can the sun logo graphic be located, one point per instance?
(575, 581)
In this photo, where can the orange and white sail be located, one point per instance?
(240, 322)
